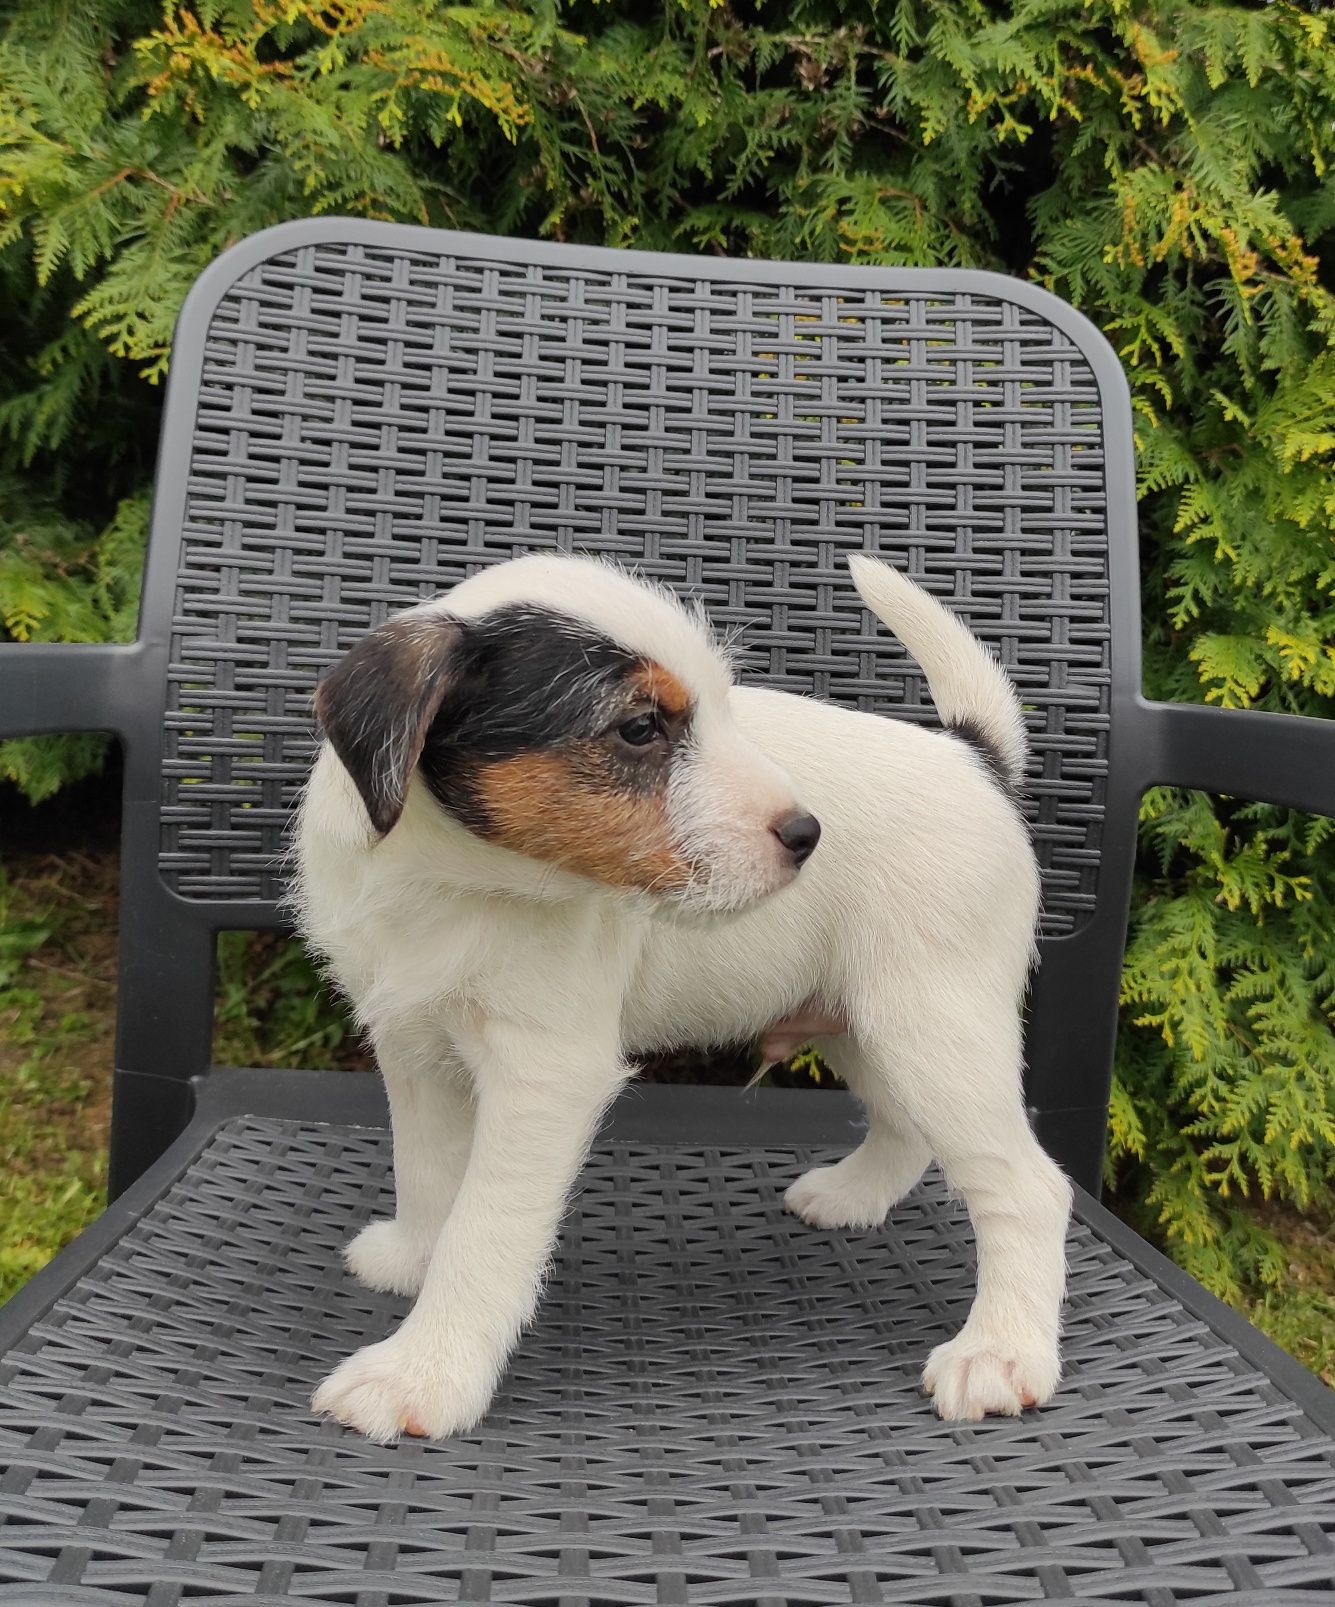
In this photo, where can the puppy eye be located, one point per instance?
(640, 731)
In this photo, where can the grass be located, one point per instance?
(57, 997)
(1300, 1315)
(57, 991)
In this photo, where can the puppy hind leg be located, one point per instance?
(431, 1114)
(957, 1072)
(861, 1190)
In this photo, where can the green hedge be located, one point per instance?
(1165, 166)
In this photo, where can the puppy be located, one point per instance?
(549, 833)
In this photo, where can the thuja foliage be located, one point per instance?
(1164, 165)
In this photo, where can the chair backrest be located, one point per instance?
(360, 415)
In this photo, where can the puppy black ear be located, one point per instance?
(377, 704)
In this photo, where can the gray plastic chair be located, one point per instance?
(717, 1404)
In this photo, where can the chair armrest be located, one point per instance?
(69, 686)
(1269, 758)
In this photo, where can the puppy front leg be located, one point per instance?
(538, 1104)
(431, 1113)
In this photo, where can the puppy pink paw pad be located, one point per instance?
(970, 1379)
(391, 1389)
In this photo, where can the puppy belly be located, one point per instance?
(694, 989)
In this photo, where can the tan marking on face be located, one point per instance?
(662, 688)
(565, 808)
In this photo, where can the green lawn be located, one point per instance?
(57, 993)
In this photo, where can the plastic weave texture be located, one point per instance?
(374, 424)
(717, 1404)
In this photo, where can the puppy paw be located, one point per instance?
(395, 1388)
(837, 1197)
(385, 1256)
(971, 1376)
(860, 1190)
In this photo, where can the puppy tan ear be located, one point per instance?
(377, 704)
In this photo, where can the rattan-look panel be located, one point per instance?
(717, 1404)
(375, 423)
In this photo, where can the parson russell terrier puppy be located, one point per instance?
(548, 833)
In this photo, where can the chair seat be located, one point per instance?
(717, 1404)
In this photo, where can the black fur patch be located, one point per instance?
(527, 679)
(968, 731)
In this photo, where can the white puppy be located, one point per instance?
(548, 834)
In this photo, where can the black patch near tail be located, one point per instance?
(969, 731)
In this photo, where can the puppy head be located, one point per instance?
(560, 710)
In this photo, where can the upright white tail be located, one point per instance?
(972, 693)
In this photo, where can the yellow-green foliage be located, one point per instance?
(1165, 165)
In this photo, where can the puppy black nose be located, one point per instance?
(799, 834)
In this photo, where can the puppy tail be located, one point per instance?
(973, 694)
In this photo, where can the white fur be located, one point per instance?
(966, 681)
(507, 999)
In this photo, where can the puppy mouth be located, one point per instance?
(711, 896)
(739, 872)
